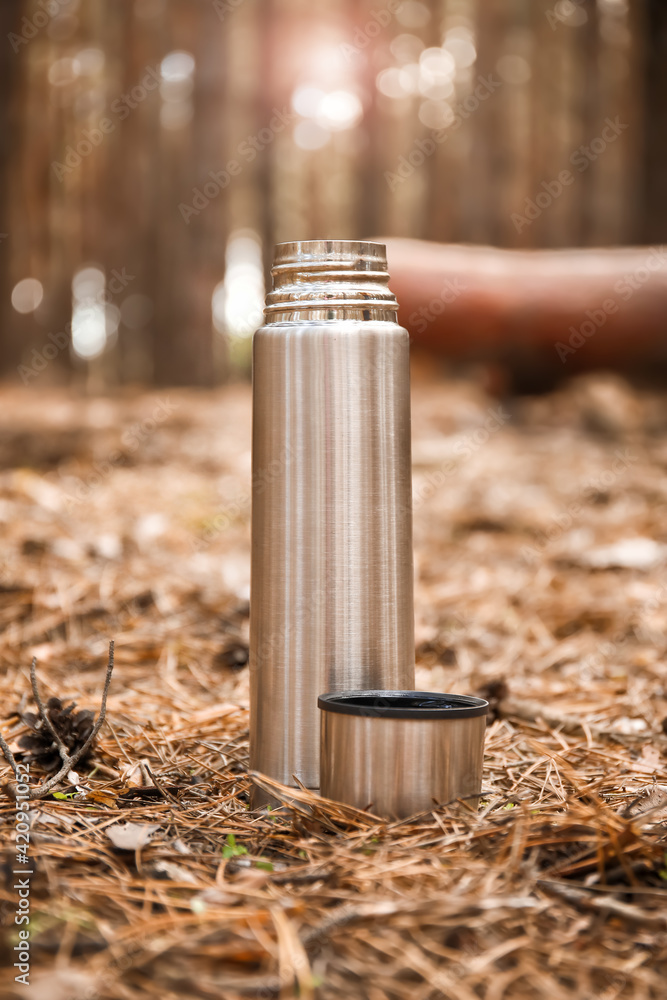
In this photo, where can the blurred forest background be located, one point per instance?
(153, 151)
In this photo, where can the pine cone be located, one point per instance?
(73, 728)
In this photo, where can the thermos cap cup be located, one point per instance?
(425, 705)
(397, 753)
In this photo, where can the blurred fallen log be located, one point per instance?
(543, 313)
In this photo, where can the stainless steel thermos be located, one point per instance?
(331, 604)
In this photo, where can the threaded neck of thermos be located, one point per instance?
(329, 280)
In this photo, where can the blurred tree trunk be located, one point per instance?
(654, 221)
(487, 165)
(10, 18)
(266, 97)
(190, 256)
(546, 103)
(589, 181)
(372, 187)
(435, 220)
(133, 164)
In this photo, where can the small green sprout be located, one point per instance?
(232, 849)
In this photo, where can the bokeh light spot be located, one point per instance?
(91, 61)
(406, 48)
(89, 331)
(237, 304)
(395, 82)
(339, 110)
(27, 295)
(64, 71)
(177, 66)
(88, 284)
(413, 14)
(460, 47)
(306, 100)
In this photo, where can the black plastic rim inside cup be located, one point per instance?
(403, 704)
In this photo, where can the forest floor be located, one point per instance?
(541, 566)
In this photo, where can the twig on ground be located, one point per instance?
(9, 757)
(69, 761)
(44, 713)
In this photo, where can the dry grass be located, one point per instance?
(554, 889)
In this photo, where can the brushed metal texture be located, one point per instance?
(398, 767)
(331, 603)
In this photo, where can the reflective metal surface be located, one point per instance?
(396, 767)
(331, 580)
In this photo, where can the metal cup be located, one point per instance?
(397, 753)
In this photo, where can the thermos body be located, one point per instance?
(331, 576)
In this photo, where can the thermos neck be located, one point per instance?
(321, 280)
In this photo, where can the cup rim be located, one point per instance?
(401, 704)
